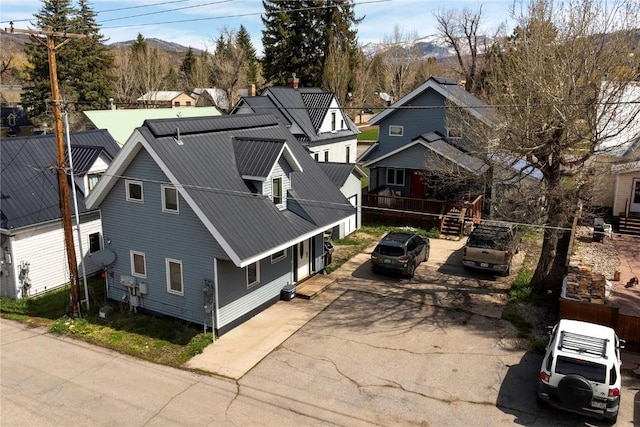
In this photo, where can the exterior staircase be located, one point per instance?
(452, 223)
(629, 225)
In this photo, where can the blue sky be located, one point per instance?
(198, 23)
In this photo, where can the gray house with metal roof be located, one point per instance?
(32, 251)
(209, 218)
(313, 116)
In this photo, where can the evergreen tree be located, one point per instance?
(299, 34)
(83, 65)
(243, 39)
(57, 14)
(93, 68)
(187, 68)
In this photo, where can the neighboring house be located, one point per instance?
(122, 123)
(14, 122)
(313, 116)
(167, 99)
(347, 177)
(33, 257)
(621, 156)
(209, 218)
(211, 97)
(420, 146)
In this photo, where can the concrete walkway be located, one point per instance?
(239, 350)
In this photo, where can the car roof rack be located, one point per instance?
(583, 344)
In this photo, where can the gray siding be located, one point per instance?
(415, 121)
(411, 158)
(135, 226)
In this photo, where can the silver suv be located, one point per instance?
(580, 371)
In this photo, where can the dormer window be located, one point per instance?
(276, 190)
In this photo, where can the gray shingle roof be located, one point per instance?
(249, 226)
(29, 178)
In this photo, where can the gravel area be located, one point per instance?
(602, 256)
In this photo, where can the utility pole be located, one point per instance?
(61, 166)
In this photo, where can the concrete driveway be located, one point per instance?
(377, 350)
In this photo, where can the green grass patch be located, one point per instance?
(521, 290)
(368, 134)
(524, 327)
(167, 341)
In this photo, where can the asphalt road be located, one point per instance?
(387, 352)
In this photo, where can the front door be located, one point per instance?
(303, 260)
(417, 185)
(635, 196)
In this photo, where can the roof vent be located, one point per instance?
(176, 137)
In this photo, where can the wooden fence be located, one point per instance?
(627, 327)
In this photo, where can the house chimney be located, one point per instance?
(111, 105)
(293, 81)
(252, 90)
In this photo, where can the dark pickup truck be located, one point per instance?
(491, 247)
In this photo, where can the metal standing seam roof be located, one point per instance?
(29, 179)
(247, 225)
(256, 157)
(306, 107)
(338, 173)
(122, 123)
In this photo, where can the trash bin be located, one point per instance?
(598, 233)
(328, 250)
(288, 293)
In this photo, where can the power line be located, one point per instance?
(164, 11)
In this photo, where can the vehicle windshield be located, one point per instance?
(590, 370)
(390, 250)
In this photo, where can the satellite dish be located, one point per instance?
(104, 257)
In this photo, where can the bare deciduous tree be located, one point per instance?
(228, 65)
(460, 30)
(558, 83)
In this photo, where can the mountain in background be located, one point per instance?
(432, 46)
(158, 44)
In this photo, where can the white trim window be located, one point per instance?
(92, 179)
(326, 156)
(134, 190)
(280, 255)
(138, 264)
(396, 130)
(174, 276)
(276, 190)
(395, 176)
(333, 121)
(253, 275)
(170, 199)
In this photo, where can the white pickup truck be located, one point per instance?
(491, 247)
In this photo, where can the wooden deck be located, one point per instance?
(314, 286)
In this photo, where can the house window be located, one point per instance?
(169, 199)
(138, 264)
(395, 130)
(94, 242)
(316, 156)
(333, 121)
(326, 156)
(341, 124)
(395, 176)
(92, 179)
(174, 276)
(278, 256)
(134, 191)
(253, 275)
(188, 103)
(176, 103)
(348, 153)
(276, 190)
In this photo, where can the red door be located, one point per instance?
(417, 185)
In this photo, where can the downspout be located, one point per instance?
(215, 314)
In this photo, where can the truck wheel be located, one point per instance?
(507, 271)
(575, 391)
